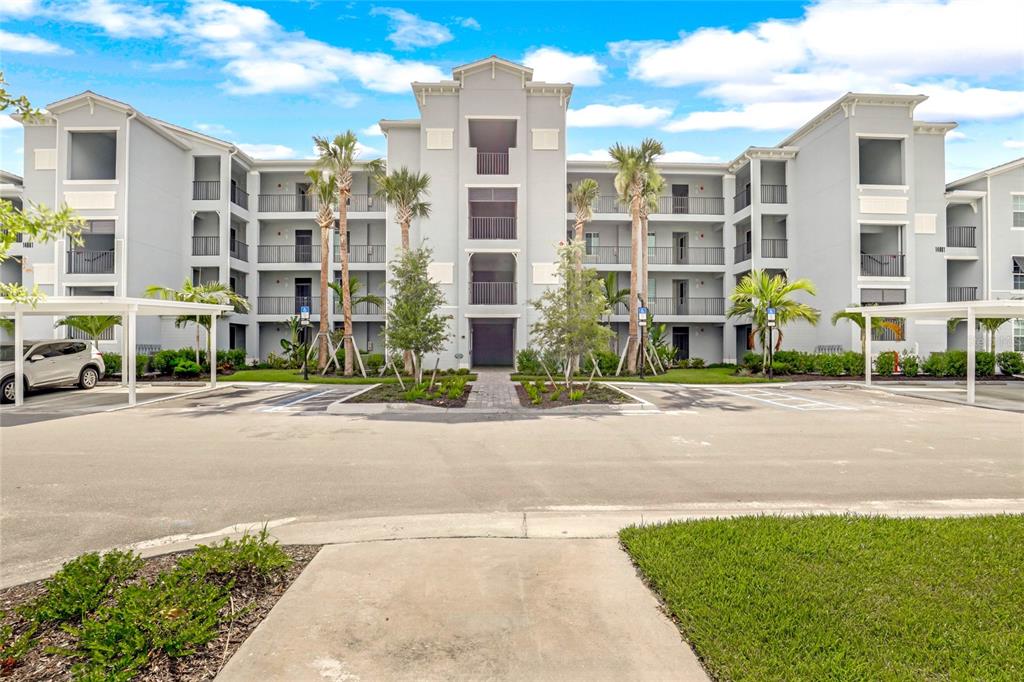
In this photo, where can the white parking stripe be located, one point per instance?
(784, 400)
(278, 408)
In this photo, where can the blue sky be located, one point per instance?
(708, 78)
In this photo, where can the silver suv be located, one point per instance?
(51, 363)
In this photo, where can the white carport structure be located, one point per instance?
(129, 309)
(970, 311)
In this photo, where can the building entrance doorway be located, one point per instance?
(493, 343)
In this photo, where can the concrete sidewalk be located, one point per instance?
(484, 608)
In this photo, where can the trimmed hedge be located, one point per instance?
(1010, 362)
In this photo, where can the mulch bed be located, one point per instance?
(392, 393)
(596, 395)
(254, 595)
(895, 378)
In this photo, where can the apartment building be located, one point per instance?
(854, 200)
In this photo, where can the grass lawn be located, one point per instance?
(717, 375)
(291, 375)
(842, 597)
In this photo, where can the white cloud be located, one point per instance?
(956, 136)
(8, 123)
(552, 65)
(607, 115)
(592, 155)
(213, 129)
(687, 157)
(366, 152)
(267, 151)
(173, 65)
(32, 44)
(372, 131)
(1013, 144)
(122, 19)
(468, 22)
(19, 8)
(409, 31)
(764, 116)
(956, 101)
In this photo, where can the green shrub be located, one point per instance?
(528, 362)
(802, 363)
(373, 361)
(414, 393)
(885, 363)
(910, 365)
(984, 364)
(576, 396)
(721, 365)
(112, 361)
(695, 363)
(853, 363)
(275, 361)
(752, 361)
(164, 361)
(956, 363)
(829, 364)
(541, 385)
(1010, 362)
(141, 364)
(556, 394)
(462, 371)
(532, 392)
(81, 585)
(781, 368)
(232, 359)
(454, 386)
(936, 365)
(607, 362)
(186, 368)
(254, 555)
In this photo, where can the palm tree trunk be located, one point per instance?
(405, 235)
(198, 363)
(407, 355)
(645, 257)
(346, 293)
(325, 251)
(633, 344)
(578, 236)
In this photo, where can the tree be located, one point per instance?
(211, 292)
(569, 325)
(651, 192)
(91, 325)
(757, 292)
(322, 186)
(404, 191)
(877, 324)
(38, 223)
(582, 197)
(338, 156)
(633, 166)
(413, 321)
(989, 324)
(354, 286)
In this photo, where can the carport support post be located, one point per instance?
(971, 349)
(867, 350)
(19, 359)
(212, 353)
(128, 360)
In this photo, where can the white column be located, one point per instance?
(19, 358)
(867, 350)
(212, 353)
(971, 345)
(128, 359)
(124, 351)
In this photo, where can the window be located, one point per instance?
(881, 161)
(92, 155)
(592, 240)
(1018, 272)
(1018, 210)
(1018, 336)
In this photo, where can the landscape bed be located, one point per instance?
(541, 395)
(449, 391)
(117, 617)
(842, 597)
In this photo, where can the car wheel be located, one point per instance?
(7, 391)
(88, 378)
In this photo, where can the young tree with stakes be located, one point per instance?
(413, 321)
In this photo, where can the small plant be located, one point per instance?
(696, 363)
(141, 365)
(186, 368)
(532, 392)
(541, 386)
(112, 361)
(576, 395)
(607, 362)
(255, 555)
(528, 361)
(81, 585)
(556, 394)
(1010, 362)
(936, 365)
(853, 362)
(13, 647)
(414, 393)
(829, 364)
(781, 368)
(885, 363)
(453, 387)
(275, 361)
(984, 364)
(911, 365)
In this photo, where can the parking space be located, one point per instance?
(60, 403)
(675, 398)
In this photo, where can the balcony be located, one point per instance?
(492, 163)
(773, 194)
(287, 305)
(691, 205)
(492, 293)
(881, 264)
(362, 253)
(90, 262)
(360, 308)
(960, 236)
(288, 253)
(608, 255)
(774, 248)
(206, 190)
(205, 246)
(239, 250)
(955, 294)
(703, 307)
(492, 227)
(657, 255)
(741, 200)
(741, 252)
(288, 203)
(239, 197)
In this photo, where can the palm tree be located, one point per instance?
(354, 286)
(633, 166)
(404, 190)
(989, 324)
(648, 202)
(757, 292)
(613, 296)
(877, 324)
(210, 292)
(92, 326)
(582, 197)
(338, 156)
(323, 186)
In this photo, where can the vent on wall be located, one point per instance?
(940, 249)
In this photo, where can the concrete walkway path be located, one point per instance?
(493, 390)
(461, 609)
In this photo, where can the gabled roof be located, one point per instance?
(995, 170)
(492, 62)
(848, 105)
(90, 98)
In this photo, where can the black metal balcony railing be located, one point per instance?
(205, 246)
(288, 253)
(961, 236)
(701, 255)
(90, 262)
(741, 200)
(691, 205)
(741, 252)
(661, 255)
(492, 293)
(1018, 281)
(492, 227)
(701, 306)
(773, 194)
(239, 197)
(359, 308)
(239, 250)
(362, 253)
(608, 255)
(774, 248)
(288, 203)
(364, 203)
(881, 265)
(206, 190)
(287, 305)
(657, 255)
(955, 294)
(492, 163)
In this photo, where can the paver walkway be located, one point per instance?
(493, 390)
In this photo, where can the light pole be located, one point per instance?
(304, 321)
